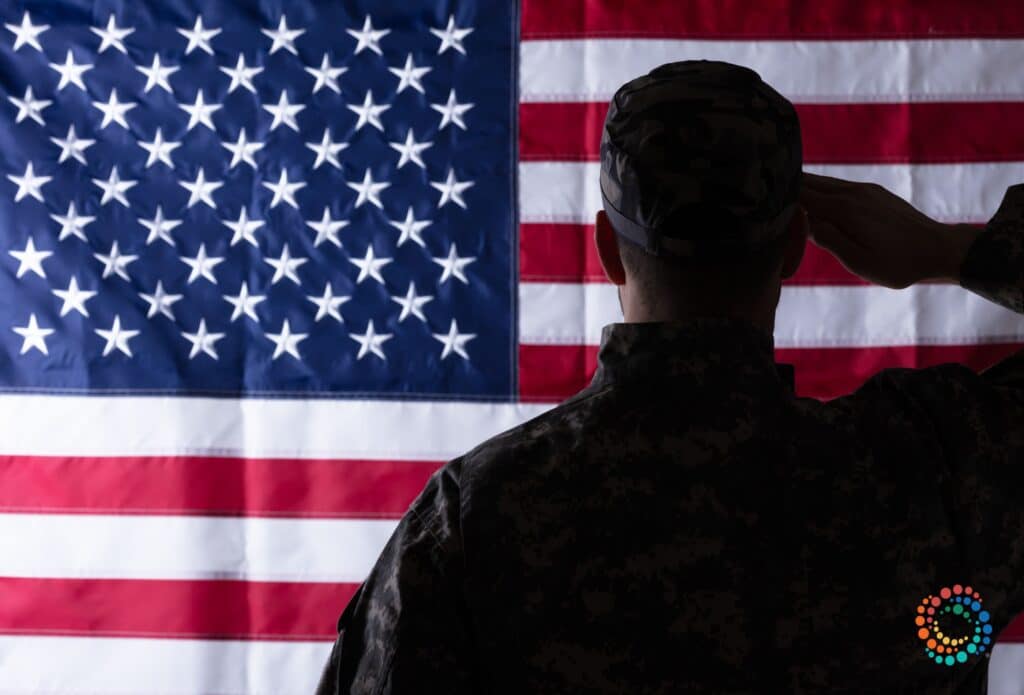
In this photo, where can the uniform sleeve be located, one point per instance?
(406, 630)
(977, 423)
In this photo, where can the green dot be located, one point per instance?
(972, 648)
(958, 609)
(961, 657)
(976, 639)
(950, 660)
(938, 658)
(977, 629)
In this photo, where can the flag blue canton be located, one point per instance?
(228, 198)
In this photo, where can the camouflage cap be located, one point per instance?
(700, 159)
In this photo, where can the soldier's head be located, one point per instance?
(700, 174)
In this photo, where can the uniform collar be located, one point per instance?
(718, 348)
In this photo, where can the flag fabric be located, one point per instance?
(266, 266)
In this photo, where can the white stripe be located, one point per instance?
(570, 191)
(808, 316)
(1006, 670)
(190, 547)
(117, 666)
(804, 71)
(159, 426)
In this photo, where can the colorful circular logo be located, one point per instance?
(953, 625)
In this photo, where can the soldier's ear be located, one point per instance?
(608, 250)
(796, 242)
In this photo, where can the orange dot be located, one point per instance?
(931, 643)
(940, 649)
(919, 620)
(920, 609)
(957, 589)
(931, 611)
(944, 593)
(923, 633)
(967, 589)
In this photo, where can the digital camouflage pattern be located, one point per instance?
(687, 525)
(700, 158)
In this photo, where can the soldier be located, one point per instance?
(686, 524)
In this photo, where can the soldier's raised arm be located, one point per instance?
(978, 419)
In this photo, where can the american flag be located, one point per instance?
(265, 266)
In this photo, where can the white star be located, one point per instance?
(326, 76)
(157, 74)
(451, 36)
(454, 341)
(368, 190)
(368, 37)
(27, 32)
(114, 188)
(201, 190)
(284, 112)
(159, 149)
(412, 305)
(72, 146)
(451, 190)
(410, 150)
(200, 113)
(115, 262)
(284, 190)
(328, 304)
(285, 266)
(371, 341)
(327, 229)
(72, 224)
(30, 107)
(30, 259)
(159, 227)
(453, 265)
(29, 184)
(244, 303)
(410, 75)
(71, 72)
(283, 37)
(286, 341)
(74, 298)
(202, 341)
(199, 37)
(113, 35)
(160, 302)
(241, 75)
(369, 112)
(410, 228)
(242, 151)
(34, 336)
(326, 150)
(202, 265)
(114, 111)
(244, 228)
(369, 266)
(117, 338)
(451, 111)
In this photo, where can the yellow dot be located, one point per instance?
(945, 640)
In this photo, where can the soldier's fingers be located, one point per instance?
(825, 184)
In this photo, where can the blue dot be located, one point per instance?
(977, 639)
(938, 658)
(958, 599)
(987, 629)
(986, 640)
(972, 648)
(981, 649)
(983, 616)
(950, 660)
(975, 606)
(961, 657)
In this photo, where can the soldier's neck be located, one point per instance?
(759, 311)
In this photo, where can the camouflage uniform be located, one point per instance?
(686, 524)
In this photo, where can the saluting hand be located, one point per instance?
(879, 236)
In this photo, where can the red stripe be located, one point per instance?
(172, 609)
(550, 373)
(770, 19)
(211, 486)
(832, 133)
(566, 253)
